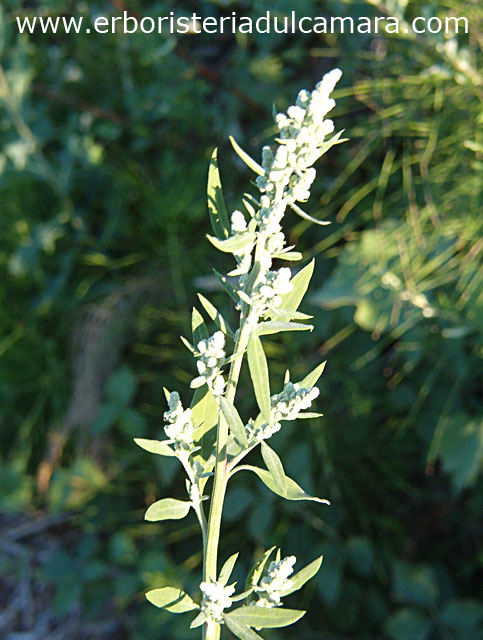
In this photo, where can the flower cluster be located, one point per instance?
(293, 399)
(275, 582)
(180, 426)
(288, 173)
(216, 598)
(271, 287)
(243, 256)
(211, 359)
(284, 406)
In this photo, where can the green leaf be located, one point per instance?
(155, 446)
(204, 412)
(300, 282)
(258, 568)
(234, 421)
(240, 630)
(235, 243)
(408, 624)
(198, 327)
(257, 364)
(264, 618)
(300, 212)
(292, 490)
(301, 577)
(216, 316)
(172, 599)
(311, 378)
(276, 326)
(216, 202)
(291, 256)
(227, 569)
(274, 465)
(309, 414)
(198, 621)
(254, 166)
(283, 314)
(167, 509)
(227, 286)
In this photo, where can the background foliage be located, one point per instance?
(105, 142)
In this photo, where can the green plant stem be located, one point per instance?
(211, 630)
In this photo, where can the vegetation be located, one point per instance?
(103, 168)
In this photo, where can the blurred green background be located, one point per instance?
(105, 142)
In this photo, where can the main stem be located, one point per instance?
(211, 630)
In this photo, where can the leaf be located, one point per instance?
(309, 414)
(274, 465)
(204, 412)
(155, 446)
(264, 618)
(167, 509)
(227, 286)
(227, 569)
(254, 166)
(301, 577)
(300, 212)
(188, 345)
(300, 282)
(216, 316)
(292, 490)
(408, 624)
(258, 568)
(285, 315)
(172, 599)
(291, 256)
(216, 202)
(276, 326)
(311, 378)
(198, 621)
(257, 364)
(198, 327)
(240, 630)
(234, 244)
(234, 421)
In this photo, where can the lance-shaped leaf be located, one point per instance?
(227, 286)
(198, 327)
(265, 618)
(311, 378)
(291, 491)
(216, 316)
(309, 414)
(275, 467)
(198, 621)
(257, 363)
(227, 568)
(291, 256)
(234, 421)
(155, 446)
(283, 314)
(240, 630)
(301, 577)
(172, 599)
(167, 509)
(300, 282)
(300, 212)
(277, 326)
(235, 243)
(204, 412)
(216, 202)
(250, 162)
(258, 568)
